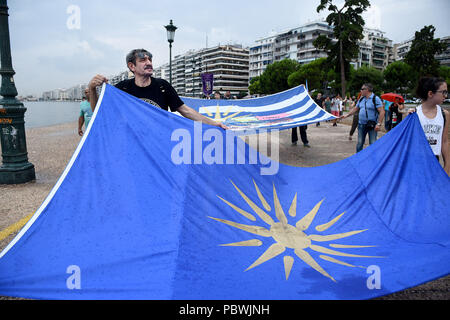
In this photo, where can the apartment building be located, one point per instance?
(302, 42)
(376, 50)
(444, 58)
(401, 49)
(261, 55)
(295, 44)
(228, 63)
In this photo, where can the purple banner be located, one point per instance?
(207, 83)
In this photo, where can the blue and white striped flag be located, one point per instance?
(284, 110)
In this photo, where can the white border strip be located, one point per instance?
(60, 180)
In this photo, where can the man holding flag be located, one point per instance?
(157, 92)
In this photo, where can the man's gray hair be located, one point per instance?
(137, 53)
(369, 86)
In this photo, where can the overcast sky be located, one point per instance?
(53, 49)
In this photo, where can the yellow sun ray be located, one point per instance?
(331, 259)
(208, 112)
(338, 253)
(217, 115)
(278, 209)
(244, 213)
(264, 216)
(288, 263)
(306, 257)
(261, 197)
(273, 251)
(247, 243)
(293, 209)
(320, 238)
(327, 225)
(305, 222)
(230, 116)
(261, 231)
(290, 236)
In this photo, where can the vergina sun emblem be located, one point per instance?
(289, 236)
(223, 116)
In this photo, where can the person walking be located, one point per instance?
(371, 113)
(335, 108)
(327, 105)
(319, 101)
(395, 111)
(85, 113)
(387, 115)
(355, 119)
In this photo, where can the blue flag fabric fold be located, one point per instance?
(142, 212)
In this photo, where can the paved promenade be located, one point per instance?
(50, 149)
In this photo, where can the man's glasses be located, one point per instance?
(362, 89)
(444, 92)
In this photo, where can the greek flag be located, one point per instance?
(284, 110)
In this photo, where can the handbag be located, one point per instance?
(370, 125)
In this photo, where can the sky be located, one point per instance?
(62, 43)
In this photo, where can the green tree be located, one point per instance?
(348, 27)
(399, 77)
(274, 78)
(423, 49)
(255, 86)
(366, 74)
(314, 72)
(444, 72)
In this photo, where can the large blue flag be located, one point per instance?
(284, 110)
(153, 206)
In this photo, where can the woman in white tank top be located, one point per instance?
(433, 92)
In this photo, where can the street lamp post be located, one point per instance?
(15, 167)
(170, 37)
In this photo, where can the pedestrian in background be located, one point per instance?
(355, 119)
(396, 113)
(85, 113)
(336, 106)
(371, 113)
(319, 101)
